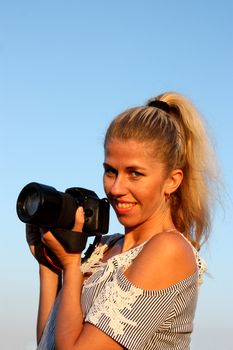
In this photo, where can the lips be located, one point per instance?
(122, 207)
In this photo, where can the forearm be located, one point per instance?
(50, 283)
(70, 318)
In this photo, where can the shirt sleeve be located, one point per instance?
(131, 315)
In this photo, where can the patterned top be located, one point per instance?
(136, 318)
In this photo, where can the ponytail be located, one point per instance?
(190, 204)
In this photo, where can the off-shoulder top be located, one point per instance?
(134, 317)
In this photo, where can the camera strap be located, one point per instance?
(72, 241)
(46, 257)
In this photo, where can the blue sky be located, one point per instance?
(67, 67)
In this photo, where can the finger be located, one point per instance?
(47, 238)
(32, 234)
(32, 249)
(79, 219)
(51, 242)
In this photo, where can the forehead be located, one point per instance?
(129, 150)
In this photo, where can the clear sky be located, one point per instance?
(66, 68)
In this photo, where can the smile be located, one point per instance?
(121, 205)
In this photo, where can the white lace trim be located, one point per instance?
(114, 295)
(114, 263)
(93, 263)
(202, 267)
(201, 264)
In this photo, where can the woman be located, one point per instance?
(138, 290)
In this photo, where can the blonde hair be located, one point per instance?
(180, 141)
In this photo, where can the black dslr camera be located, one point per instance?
(44, 206)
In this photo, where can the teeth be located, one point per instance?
(125, 205)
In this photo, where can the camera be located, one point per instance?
(43, 205)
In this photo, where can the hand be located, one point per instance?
(37, 248)
(33, 237)
(49, 239)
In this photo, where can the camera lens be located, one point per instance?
(31, 203)
(43, 205)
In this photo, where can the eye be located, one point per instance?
(109, 171)
(136, 173)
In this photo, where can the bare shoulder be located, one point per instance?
(165, 260)
(170, 245)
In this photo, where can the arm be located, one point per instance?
(50, 282)
(71, 332)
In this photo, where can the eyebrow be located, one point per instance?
(132, 167)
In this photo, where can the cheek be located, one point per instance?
(152, 195)
(106, 184)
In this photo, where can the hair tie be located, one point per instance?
(160, 104)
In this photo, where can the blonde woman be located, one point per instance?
(139, 289)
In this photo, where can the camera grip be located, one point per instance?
(72, 241)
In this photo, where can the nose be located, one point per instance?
(116, 187)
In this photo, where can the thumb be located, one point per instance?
(79, 219)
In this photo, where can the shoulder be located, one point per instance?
(169, 245)
(165, 260)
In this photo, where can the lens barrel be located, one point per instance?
(43, 205)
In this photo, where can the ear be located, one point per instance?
(173, 181)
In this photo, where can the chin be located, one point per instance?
(127, 223)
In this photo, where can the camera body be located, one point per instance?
(43, 205)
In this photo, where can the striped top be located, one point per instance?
(137, 319)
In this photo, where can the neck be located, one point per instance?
(143, 232)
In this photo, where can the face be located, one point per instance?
(134, 183)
